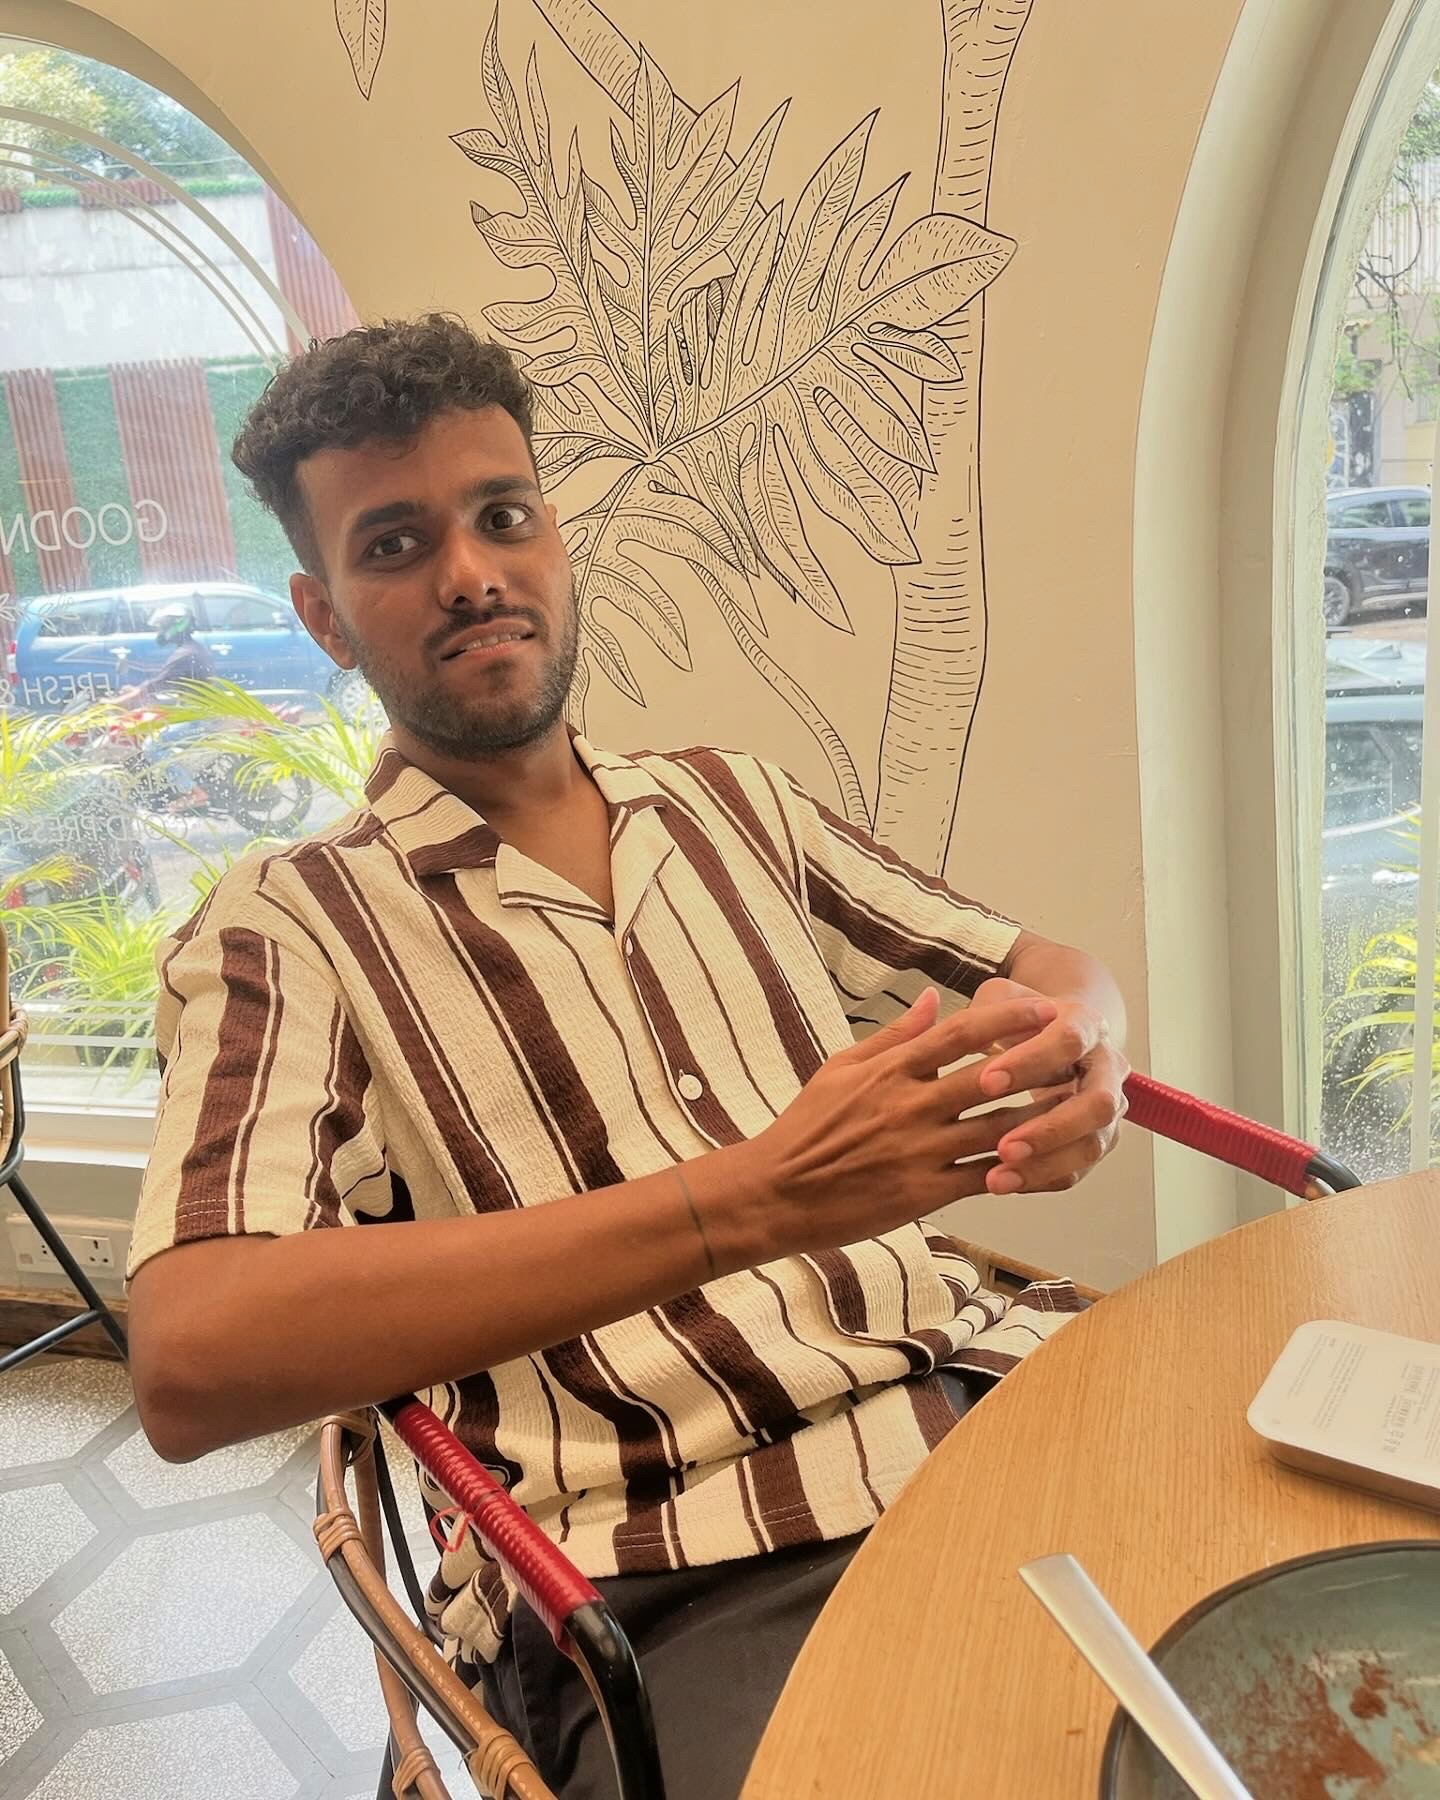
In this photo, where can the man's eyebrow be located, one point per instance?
(394, 512)
(498, 486)
(389, 514)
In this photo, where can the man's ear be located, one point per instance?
(313, 607)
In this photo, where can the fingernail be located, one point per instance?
(1014, 1153)
(995, 1081)
(1005, 1182)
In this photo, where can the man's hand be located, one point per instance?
(873, 1139)
(1072, 1065)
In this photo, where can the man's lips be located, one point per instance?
(488, 639)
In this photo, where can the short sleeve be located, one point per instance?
(267, 1118)
(886, 929)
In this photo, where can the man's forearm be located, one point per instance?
(1063, 973)
(234, 1337)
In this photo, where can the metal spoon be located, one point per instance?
(1101, 1636)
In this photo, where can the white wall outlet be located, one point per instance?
(100, 1246)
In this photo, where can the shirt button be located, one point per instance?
(691, 1087)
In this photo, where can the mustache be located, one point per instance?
(460, 623)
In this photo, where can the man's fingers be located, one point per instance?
(1049, 1174)
(1047, 1056)
(978, 1133)
(972, 1032)
(1088, 1113)
(917, 1019)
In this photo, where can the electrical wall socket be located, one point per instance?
(100, 1246)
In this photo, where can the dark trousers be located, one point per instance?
(715, 1645)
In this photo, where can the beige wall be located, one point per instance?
(1097, 131)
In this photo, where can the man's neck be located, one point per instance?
(507, 785)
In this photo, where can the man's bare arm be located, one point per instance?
(232, 1337)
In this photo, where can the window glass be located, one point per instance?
(1358, 784)
(150, 285)
(143, 611)
(247, 612)
(78, 617)
(1369, 515)
(1381, 411)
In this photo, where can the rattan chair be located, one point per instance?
(12, 1153)
(411, 1666)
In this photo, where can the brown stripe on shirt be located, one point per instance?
(784, 1505)
(480, 1169)
(792, 1027)
(883, 943)
(235, 1083)
(508, 991)
(708, 1113)
(933, 1412)
(714, 774)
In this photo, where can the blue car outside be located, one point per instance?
(74, 647)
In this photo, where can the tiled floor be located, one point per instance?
(169, 1633)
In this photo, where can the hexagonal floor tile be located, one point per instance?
(19, 1715)
(40, 1527)
(336, 1674)
(187, 1602)
(151, 1482)
(53, 1407)
(215, 1751)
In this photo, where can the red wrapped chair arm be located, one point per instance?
(1289, 1163)
(572, 1608)
(552, 1584)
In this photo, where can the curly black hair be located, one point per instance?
(386, 380)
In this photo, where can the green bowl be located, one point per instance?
(1318, 1679)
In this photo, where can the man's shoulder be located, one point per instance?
(258, 892)
(707, 771)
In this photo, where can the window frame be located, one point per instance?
(112, 1132)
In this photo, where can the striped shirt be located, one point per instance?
(405, 1018)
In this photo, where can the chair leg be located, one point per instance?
(386, 1789)
(74, 1274)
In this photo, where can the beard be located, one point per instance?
(482, 725)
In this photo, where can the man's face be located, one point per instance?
(447, 582)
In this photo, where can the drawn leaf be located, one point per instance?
(743, 364)
(606, 648)
(566, 331)
(362, 29)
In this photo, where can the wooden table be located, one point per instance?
(932, 1672)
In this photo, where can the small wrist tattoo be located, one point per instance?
(699, 1224)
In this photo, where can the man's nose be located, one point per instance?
(471, 571)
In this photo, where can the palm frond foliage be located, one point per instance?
(734, 366)
(1378, 1009)
(335, 754)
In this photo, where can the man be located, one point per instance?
(566, 1033)
(187, 660)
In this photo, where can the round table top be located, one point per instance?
(932, 1670)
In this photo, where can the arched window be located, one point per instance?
(1363, 502)
(150, 284)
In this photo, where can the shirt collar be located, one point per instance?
(437, 832)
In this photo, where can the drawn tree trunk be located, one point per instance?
(940, 622)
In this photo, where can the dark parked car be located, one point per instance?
(1377, 549)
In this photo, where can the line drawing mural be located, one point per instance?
(361, 24)
(736, 364)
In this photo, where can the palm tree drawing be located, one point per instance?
(732, 364)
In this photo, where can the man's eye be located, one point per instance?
(394, 543)
(509, 517)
